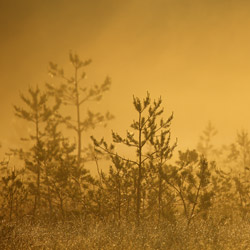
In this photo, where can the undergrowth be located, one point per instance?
(78, 234)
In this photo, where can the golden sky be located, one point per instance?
(194, 53)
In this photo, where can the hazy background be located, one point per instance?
(195, 54)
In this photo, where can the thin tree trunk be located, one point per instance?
(37, 198)
(195, 203)
(78, 116)
(159, 198)
(11, 205)
(119, 202)
(138, 200)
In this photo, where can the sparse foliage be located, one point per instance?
(38, 113)
(149, 129)
(205, 145)
(74, 92)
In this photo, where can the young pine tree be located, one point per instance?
(146, 129)
(37, 113)
(13, 193)
(190, 181)
(163, 153)
(205, 145)
(76, 93)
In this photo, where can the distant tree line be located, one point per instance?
(55, 182)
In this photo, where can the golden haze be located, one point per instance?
(195, 54)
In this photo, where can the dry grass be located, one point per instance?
(77, 235)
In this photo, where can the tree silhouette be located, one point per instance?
(75, 93)
(205, 145)
(147, 129)
(38, 114)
